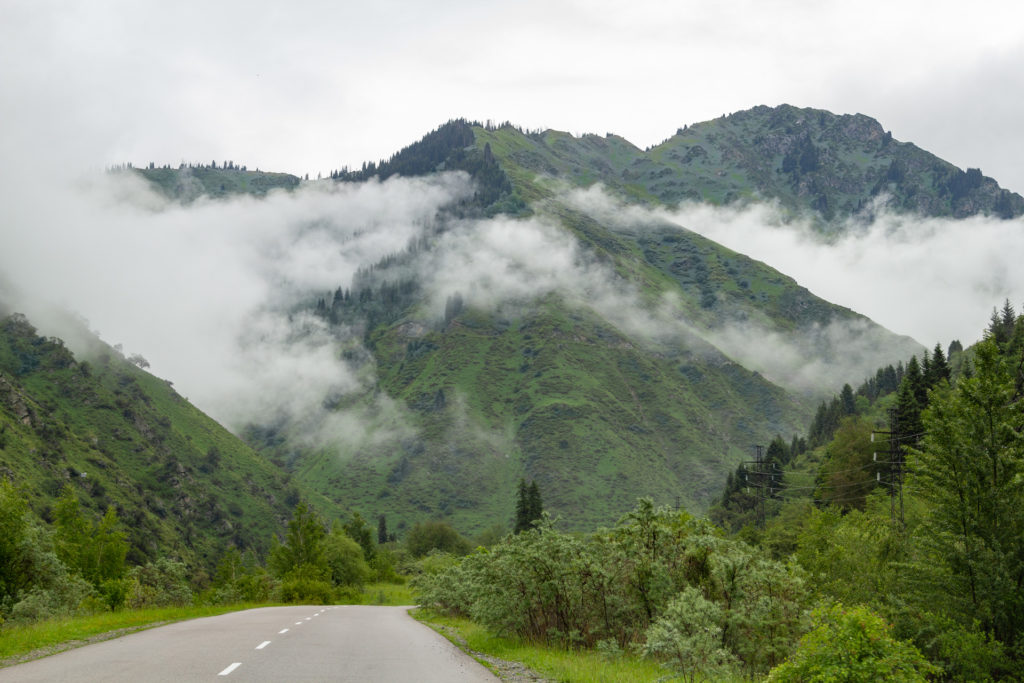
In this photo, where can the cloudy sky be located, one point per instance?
(310, 85)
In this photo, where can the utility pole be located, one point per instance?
(895, 464)
(760, 473)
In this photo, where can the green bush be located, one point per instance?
(163, 583)
(345, 560)
(436, 535)
(305, 585)
(689, 636)
(852, 645)
(65, 596)
(382, 567)
(658, 577)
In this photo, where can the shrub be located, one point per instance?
(64, 597)
(689, 635)
(852, 644)
(427, 536)
(345, 560)
(305, 585)
(163, 583)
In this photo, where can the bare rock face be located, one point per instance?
(16, 402)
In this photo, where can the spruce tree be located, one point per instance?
(534, 503)
(522, 521)
(939, 369)
(914, 379)
(529, 506)
(908, 414)
(847, 400)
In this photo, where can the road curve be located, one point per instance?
(304, 643)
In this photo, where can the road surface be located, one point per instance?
(340, 643)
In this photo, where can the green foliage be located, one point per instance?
(303, 547)
(850, 470)
(529, 507)
(689, 635)
(163, 583)
(617, 586)
(63, 596)
(359, 531)
(550, 662)
(304, 584)
(425, 537)
(14, 576)
(188, 183)
(346, 559)
(852, 556)
(852, 645)
(120, 438)
(96, 551)
(969, 470)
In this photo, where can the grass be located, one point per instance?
(54, 635)
(565, 666)
(384, 594)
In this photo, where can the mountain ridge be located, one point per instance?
(554, 387)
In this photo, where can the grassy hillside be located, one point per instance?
(188, 183)
(551, 389)
(184, 486)
(556, 395)
(554, 389)
(809, 160)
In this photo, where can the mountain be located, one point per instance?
(553, 322)
(182, 484)
(563, 386)
(189, 182)
(625, 355)
(809, 160)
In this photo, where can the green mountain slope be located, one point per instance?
(654, 381)
(806, 159)
(182, 484)
(188, 183)
(558, 389)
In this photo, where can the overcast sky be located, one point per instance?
(307, 86)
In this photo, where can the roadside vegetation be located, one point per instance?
(501, 654)
(910, 576)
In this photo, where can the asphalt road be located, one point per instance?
(341, 643)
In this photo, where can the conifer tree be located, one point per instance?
(939, 368)
(522, 522)
(529, 507)
(534, 503)
(969, 470)
(848, 402)
(914, 379)
(908, 413)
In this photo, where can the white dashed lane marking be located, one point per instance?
(231, 668)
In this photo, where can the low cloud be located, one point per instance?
(935, 279)
(215, 294)
(505, 261)
(816, 359)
